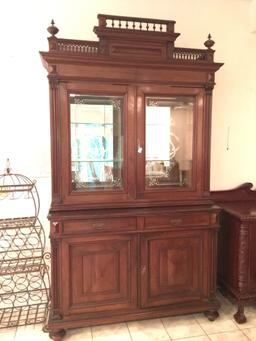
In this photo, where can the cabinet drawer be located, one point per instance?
(177, 219)
(100, 225)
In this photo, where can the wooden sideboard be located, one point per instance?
(236, 248)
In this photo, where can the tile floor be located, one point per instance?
(183, 328)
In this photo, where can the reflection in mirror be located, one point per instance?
(96, 142)
(169, 141)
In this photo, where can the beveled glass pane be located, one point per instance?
(96, 142)
(169, 141)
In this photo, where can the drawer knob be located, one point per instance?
(175, 222)
(98, 226)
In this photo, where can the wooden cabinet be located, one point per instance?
(237, 254)
(133, 228)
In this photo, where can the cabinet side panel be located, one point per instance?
(228, 251)
(252, 257)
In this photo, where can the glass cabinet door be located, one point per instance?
(96, 127)
(168, 141)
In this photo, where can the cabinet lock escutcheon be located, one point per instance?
(143, 270)
(175, 222)
(98, 226)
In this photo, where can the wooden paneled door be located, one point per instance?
(173, 265)
(100, 273)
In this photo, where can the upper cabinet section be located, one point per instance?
(130, 116)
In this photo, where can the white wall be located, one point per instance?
(24, 113)
(253, 16)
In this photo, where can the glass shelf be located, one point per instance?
(106, 161)
(93, 124)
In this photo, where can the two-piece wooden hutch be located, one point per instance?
(133, 229)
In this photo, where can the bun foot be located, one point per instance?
(57, 335)
(211, 315)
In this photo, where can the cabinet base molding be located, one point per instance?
(57, 329)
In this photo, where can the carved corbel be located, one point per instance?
(53, 82)
(208, 88)
(56, 228)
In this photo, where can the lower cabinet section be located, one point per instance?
(134, 271)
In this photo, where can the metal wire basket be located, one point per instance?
(24, 273)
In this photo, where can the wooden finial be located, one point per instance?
(52, 29)
(209, 42)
